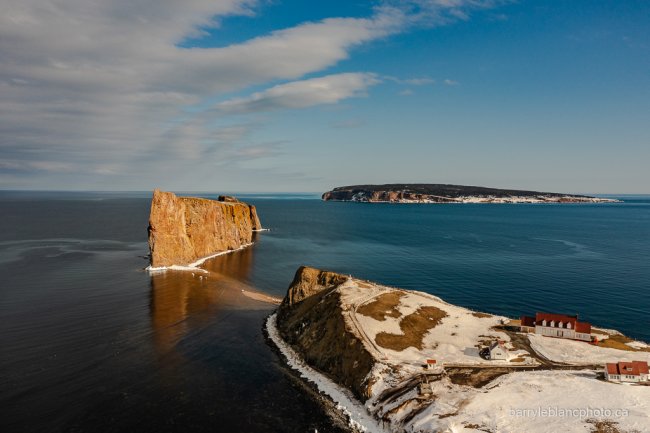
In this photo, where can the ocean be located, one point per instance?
(91, 342)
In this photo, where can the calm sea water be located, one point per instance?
(90, 342)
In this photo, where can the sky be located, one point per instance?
(303, 96)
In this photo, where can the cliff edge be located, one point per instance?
(185, 229)
(311, 319)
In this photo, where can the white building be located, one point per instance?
(431, 364)
(498, 351)
(634, 372)
(556, 325)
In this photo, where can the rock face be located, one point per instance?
(311, 320)
(184, 229)
(441, 193)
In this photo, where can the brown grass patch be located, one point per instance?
(383, 306)
(481, 315)
(618, 341)
(607, 426)
(414, 326)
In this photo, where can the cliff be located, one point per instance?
(185, 229)
(311, 320)
(442, 193)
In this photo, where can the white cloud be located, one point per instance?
(406, 92)
(449, 82)
(104, 83)
(419, 81)
(329, 89)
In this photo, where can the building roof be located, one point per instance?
(496, 343)
(527, 321)
(582, 327)
(634, 368)
(539, 317)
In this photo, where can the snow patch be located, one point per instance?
(580, 352)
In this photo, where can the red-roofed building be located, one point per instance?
(635, 371)
(556, 325)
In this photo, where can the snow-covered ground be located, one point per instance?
(453, 341)
(579, 352)
(543, 401)
(537, 402)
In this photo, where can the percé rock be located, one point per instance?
(311, 320)
(443, 193)
(185, 229)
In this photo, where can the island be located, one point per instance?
(402, 360)
(443, 193)
(183, 230)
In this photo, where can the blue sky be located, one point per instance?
(258, 96)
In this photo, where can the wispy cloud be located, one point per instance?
(419, 81)
(329, 89)
(449, 82)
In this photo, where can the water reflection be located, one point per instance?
(183, 302)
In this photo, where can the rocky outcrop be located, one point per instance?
(185, 229)
(308, 282)
(311, 320)
(442, 193)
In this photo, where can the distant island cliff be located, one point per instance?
(443, 193)
(185, 229)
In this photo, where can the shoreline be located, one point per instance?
(357, 415)
(194, 266)
(459, 202)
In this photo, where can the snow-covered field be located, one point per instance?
(453, 341)
(537, 402)
(578, 352)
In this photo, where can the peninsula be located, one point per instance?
(402, 360)
(185, 229)
(443, 193)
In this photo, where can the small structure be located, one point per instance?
(556, 325)
(498, 351)
(430, 365)
(424, 388)
(495, 351)
(631, 372)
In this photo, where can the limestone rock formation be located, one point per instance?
(309, 281)
(185, 229)
(311, 320)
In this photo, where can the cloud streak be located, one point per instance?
(102, 86)
(329, 89)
